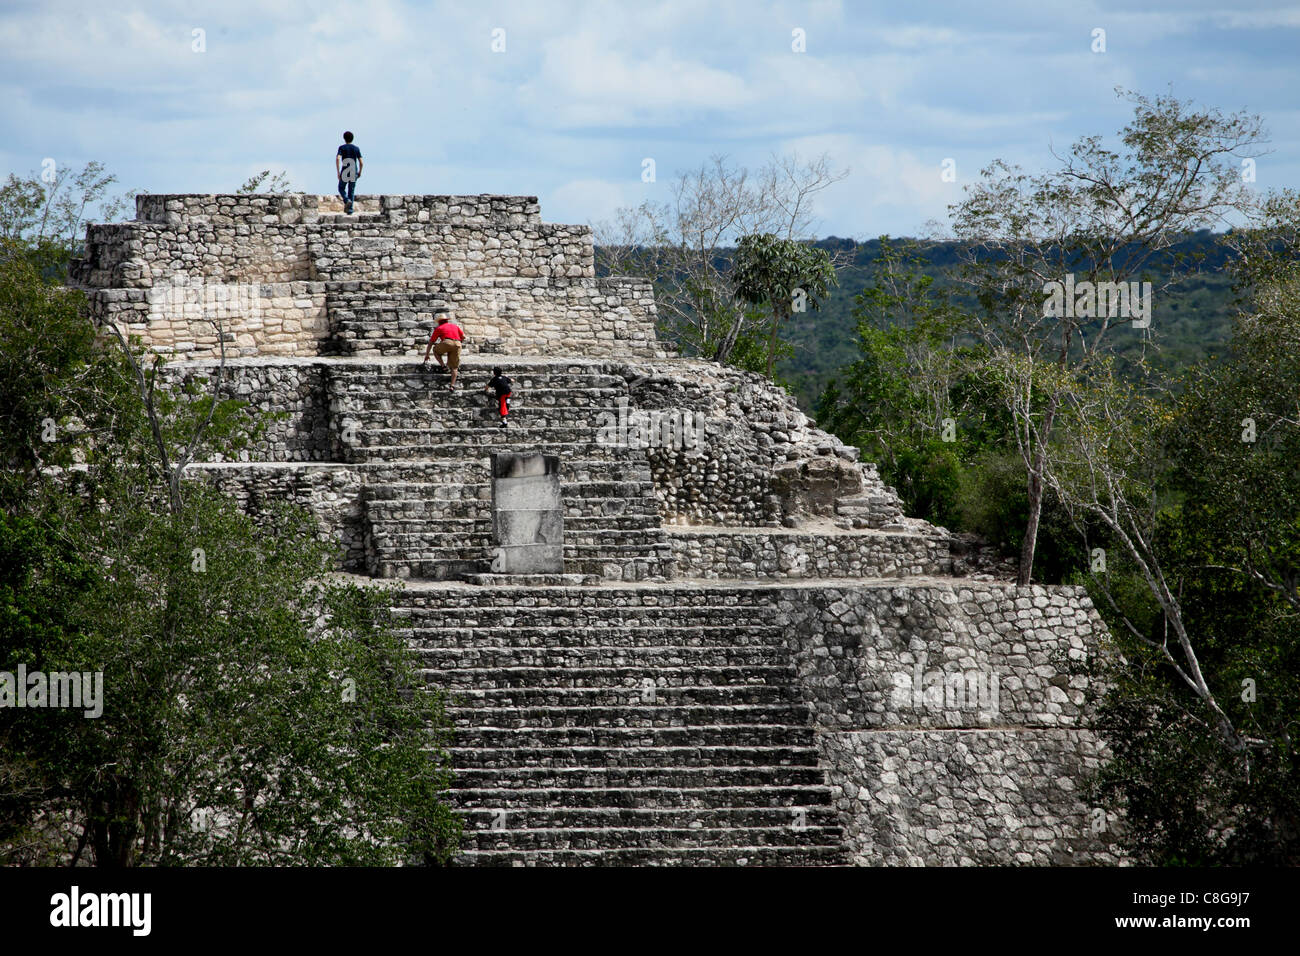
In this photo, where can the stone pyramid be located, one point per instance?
(749, 654)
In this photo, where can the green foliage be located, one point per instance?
(1229, 537)
(255, 711)
(749, 350)
(786, 274)
(909, 401)
(42, 218)
(928, 477)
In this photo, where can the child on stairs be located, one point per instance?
(500, 384)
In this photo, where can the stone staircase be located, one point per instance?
(392, 319)
(439, 526)
(655, 725)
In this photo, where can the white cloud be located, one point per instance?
(587, 88)
(585, 201)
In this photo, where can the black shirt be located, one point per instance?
(351, 162)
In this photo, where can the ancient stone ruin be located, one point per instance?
(750, 655)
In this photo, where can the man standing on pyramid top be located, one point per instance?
(347, 164)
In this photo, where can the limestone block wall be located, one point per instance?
(384, 250)
(717, 553)
(298, 391)
(182, 317)
(238, 240)
(877, 654)
(555, 316)
(570, 316)
(954, 719)
(968, 797)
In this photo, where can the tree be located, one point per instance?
(1198, 490)
(254, 709)
(894, 400)
(43, 218)
(1100, 217)
(785, 274)
(279, 183)
(685, 246)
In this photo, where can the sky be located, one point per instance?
(567, 100)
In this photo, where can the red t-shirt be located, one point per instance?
(448, 330)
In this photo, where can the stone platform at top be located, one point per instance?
(283, 273)
(482, 209)
(294, 237)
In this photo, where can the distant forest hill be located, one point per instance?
(1188, 323)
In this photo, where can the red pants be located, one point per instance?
(503, 405)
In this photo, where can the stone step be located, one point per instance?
(451, 567)
(419, 537)
(632, 715)
(467, 471)
(620, 675)
(423, 389)
(468, 404)
(408, 535)
(477, 503)
(526, 780)
(580, 607)
(344, 344)
(829, 854)
(473, 519)
(614, 545)
(465, 696)
(452, 611)
(498, 819)
(401, 378)
(548, 599)
(491, 579)
(568, 423)
(603, 655)
(375, 435)
(771, 796)
(594, 545)
(506, 758)
(498, 440)
(565, 739)
(611, 487)
(439, 569)
(583, 497)
(701, 639)
(555, 839)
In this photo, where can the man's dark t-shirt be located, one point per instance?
(350, 168)
(500, 384)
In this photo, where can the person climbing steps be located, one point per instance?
(446, 340)
(500, 386)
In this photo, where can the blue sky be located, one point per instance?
(585, 91)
